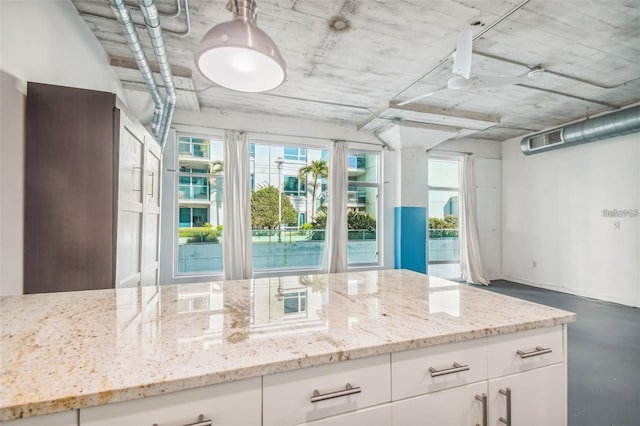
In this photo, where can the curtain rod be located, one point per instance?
(448, 152)
(282, 134)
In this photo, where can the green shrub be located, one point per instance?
(204, 234)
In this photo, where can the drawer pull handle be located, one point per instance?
(539, 350)
(455, 369)
(201, 422)
(348, 390)
(507, 393)
(485, 416)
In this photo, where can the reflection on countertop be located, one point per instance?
(70, 350)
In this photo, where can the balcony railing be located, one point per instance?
(193, 192)
(444, 245)
(355, 198)
(194, 150)
(201, 250)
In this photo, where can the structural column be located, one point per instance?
(411, 211)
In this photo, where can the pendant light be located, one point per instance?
(240, 56)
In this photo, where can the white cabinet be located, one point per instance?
(138, 206)
(537, 397)
(310, 394)
(452, 407)
(526, 369)
(66, 418)
(234, 403)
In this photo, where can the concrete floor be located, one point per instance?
(604, 355)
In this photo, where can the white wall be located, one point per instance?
(552, 215)
(46, 42)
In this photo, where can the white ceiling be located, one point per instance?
(393, 50)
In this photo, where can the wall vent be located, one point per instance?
(543, 140)
(592, 129)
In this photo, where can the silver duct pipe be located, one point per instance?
(152, 21)
(163, 111)
(121, 11)
(606, 126)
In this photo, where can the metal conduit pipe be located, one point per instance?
(167, 15)
(121, 11)
(152, 21)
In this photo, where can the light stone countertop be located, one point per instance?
(64, 351)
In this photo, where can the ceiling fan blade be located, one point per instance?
(482, 81)
(462, 60)
(417, 98)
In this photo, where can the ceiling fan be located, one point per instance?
(462, 78)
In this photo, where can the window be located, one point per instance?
(280, 241)
(288, 212)
(295, 302)
(194, 147)
(443, 245)
(363, 207)
(191, 217)
(200, 180)
(295, 154)
(293, 186)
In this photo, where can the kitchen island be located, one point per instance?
(81, 350)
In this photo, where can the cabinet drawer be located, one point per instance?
(287, 397)
(67, 418)
(431, 369)
(234, 403)
(513, 353)
(379, 415)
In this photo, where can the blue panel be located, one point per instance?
(411, 238)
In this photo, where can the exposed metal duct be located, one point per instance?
(163, 111)
(152, 21)
(606, 126)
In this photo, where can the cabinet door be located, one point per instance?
(130, 204)
(151, 232)
(67, 418)
(537, 397)
(374, 416)
(452, 407)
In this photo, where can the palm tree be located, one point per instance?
(216, 167)
(317, 169)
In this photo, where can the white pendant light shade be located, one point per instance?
(240, 56)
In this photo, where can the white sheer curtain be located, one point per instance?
(236, 240)
(470, 262)
(335, 245)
